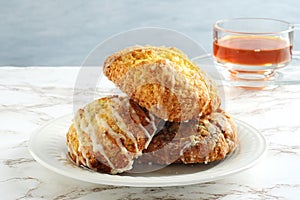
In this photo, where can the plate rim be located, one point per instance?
(141, 181)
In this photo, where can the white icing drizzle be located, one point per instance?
(145, 131)
(80, 139)
(97, 147)
(183, 149)
(150, 120)
(194, 142)
(73, 152)
(173, 80)
(150, 136)
(89, 121)
(154, 127)
(117, 137)
(121, 124)
(165, 73)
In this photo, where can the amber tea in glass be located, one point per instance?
(252, 48)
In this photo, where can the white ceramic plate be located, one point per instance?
(48, 146)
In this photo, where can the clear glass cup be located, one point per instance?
(252, 48)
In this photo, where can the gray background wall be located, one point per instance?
(60, 33)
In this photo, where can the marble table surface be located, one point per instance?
(31, 96)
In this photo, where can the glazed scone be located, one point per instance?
(197, 141)
(164, 81)
(109, 133)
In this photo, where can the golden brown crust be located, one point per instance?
(164, 81)
(109, 133)
(78, 158)
(197, 141)
(207, 139)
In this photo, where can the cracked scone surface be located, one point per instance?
(107, 134)
(164, 81)
(171, 114)
(197, 141)
(111, 134)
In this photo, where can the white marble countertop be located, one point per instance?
(31, 96)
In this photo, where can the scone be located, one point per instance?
(197, 141)
(164, 81)
(109, 133)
